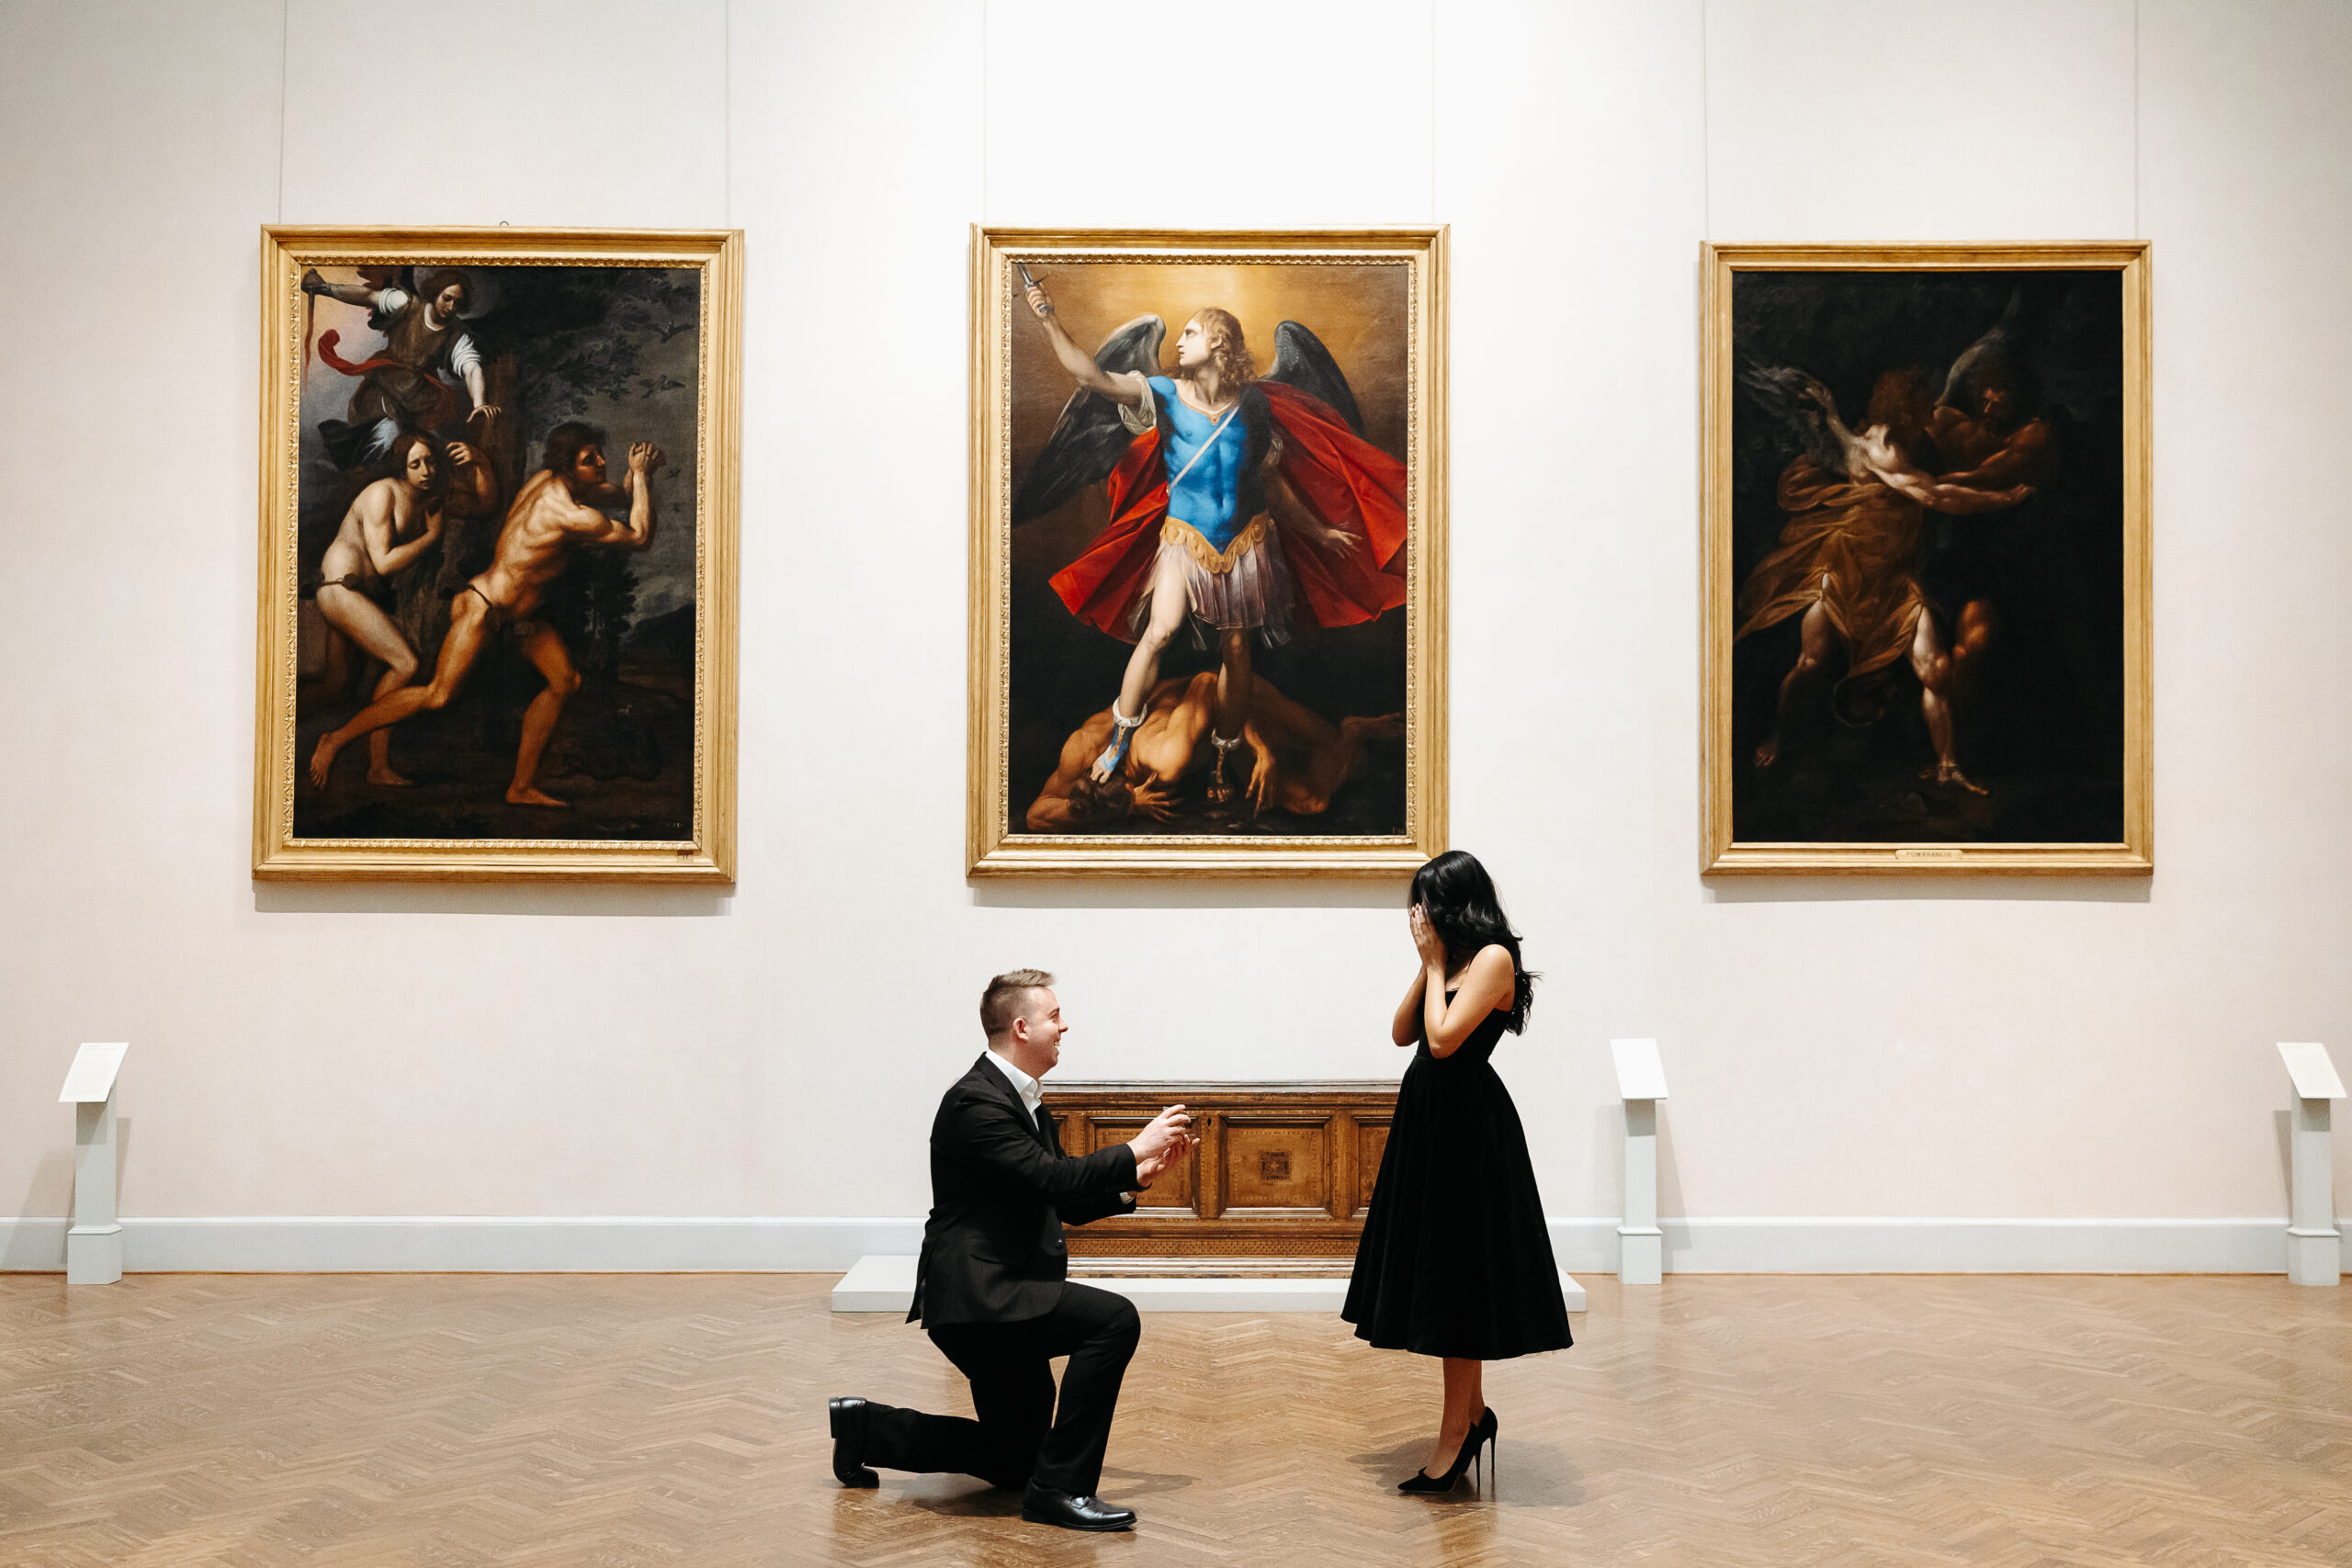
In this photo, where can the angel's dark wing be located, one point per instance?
(2004, 343)
(2049, 345)
(1302, 361)
(1089, 436)
(1785, 395)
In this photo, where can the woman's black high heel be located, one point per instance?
(1481, 1434)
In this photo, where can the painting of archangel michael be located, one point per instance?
(1927, 557)
(1211, 521)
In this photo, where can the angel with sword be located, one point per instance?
(1233, 498)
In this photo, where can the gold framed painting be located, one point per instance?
(1209, 552)
(498, 573)
(1927, 586)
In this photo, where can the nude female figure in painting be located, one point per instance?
(391, 523)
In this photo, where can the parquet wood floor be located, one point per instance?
(636, 1421)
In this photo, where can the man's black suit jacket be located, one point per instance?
(1000, 1190)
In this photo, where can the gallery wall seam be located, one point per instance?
(1706, 134)
(726, 94)
(986, 39)
(2136, 232)
(1432, 215)
(284, 62)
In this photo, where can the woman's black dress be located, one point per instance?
(1456, 1260)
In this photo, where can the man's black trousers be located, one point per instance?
(1018, 1436)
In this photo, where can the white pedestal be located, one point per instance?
(876, 1282)
(1641, 1245)
(1641, 1083)
(880, 1283)
(2312, 1245)
(2314, 1257)
(2315, 1248)
(94, 1245)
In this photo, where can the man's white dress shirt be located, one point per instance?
(1022, 1084)
(1032, 1095)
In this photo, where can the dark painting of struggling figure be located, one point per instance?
(497, 544)
(1929, 511)
(1207, 525)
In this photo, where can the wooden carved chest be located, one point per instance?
(1277, 1181)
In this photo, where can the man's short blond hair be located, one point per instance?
(1007, 995)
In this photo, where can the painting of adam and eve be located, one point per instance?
(1209, 511)
(1928, 550)
(496, 548)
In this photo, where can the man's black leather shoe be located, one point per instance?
(848, 1417)
(1043, 1505)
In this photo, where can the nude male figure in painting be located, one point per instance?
(391, 522)
(555, 513)
(1300, 760)
(2000, 445)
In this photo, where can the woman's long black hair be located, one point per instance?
(1458, 898)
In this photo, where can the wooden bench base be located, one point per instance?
(1277, 1183)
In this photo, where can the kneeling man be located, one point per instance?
(992, 1290)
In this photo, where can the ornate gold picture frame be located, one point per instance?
(1927, 585)
(1209, 552)
(497, 607)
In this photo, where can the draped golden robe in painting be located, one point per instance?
(1853, 549)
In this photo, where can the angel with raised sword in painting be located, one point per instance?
(1237, 501)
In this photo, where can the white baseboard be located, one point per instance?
(1898, 1246)
(470, 1243)
(1584, 1246)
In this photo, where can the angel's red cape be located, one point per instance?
(1349, 484)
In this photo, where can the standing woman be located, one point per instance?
(1455, 1261)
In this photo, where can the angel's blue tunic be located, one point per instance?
(1208, 495)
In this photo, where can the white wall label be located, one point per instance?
(2314, 1075)
(91, 1077)
(1640, 1074)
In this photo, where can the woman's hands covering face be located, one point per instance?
(1426, 941)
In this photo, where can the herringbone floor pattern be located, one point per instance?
(632, 1421)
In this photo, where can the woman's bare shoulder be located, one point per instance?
(1491, 957)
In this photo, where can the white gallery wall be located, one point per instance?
(1855, 1063)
